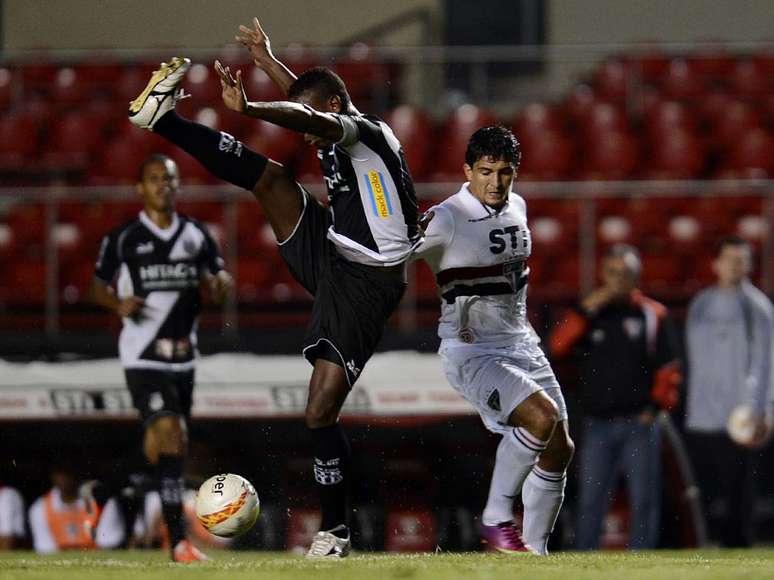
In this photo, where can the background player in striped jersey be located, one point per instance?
(158, 262)
(350, 256)
(477, 244)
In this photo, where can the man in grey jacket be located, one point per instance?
(729, 347)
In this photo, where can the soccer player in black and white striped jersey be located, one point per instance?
(350, 255)
(157, 263)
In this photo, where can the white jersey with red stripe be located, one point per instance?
(479, 258)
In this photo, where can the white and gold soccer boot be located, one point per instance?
(160, 94)
(328, 545)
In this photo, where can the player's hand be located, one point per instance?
(220, 286)
(232, 89)
(257, 42)
(594, 302)
(130, 307)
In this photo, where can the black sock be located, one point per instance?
(331, 467)
(170, 472)
(220, 153)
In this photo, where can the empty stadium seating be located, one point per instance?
(641, 116)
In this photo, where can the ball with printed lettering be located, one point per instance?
(227, 505)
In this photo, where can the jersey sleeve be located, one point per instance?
(438, 234)
(210, 254)
(108, 260)
(358, 128)
(42, 540)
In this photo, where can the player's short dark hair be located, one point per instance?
(150, 159)
(495, 141)
(323, 82)
(732, 241)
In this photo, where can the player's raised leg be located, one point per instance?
(220, 153)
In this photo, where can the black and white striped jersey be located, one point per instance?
(370, 193)
(479, 258)
(165, 268)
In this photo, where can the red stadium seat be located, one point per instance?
(415, 133)
(72, 141)
(8, 87)
(71, 86)
(734, 120)
(280, 144)
(712, 64)
(131, 82)
(677, 154)
(749, 80)
(615, 229)
(550, 157)
(580, 101)
(650, 65)
(610, 156)
(667, 116)
(203, 84)
(661, 274)
(120, 159)
(754, 150)
(603, 119)
(364, 76)
(712, 104)
(24, 282)
(19, 139)
(613, 80)
(536, 118)
(453, 141)
(259, 87)
(681, 80)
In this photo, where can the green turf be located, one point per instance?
(684, 565)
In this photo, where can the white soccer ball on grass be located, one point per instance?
(227, 505)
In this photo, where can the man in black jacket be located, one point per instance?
(628, 369)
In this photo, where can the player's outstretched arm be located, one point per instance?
(286, 114)
(103, 295)
(259, 45)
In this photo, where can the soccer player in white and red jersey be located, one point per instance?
(477, 243)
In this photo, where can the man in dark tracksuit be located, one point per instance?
(628, 369)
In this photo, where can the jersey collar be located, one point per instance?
(165, 233)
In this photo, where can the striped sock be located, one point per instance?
(516, 456)
(543, 494)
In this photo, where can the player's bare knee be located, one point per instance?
(540, 416)
(168, 432)
(321, 414)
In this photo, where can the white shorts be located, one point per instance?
(496, 380)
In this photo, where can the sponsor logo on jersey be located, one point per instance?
(380, 196)
(145, 248)
(169, 276)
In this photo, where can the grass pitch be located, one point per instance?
(683, 565)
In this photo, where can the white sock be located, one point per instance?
(542, 494)
(516, 456)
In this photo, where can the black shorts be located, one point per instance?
(158, 392)
(352, 302)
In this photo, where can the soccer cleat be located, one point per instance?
(186, 553)
(505, 538)
(160, 94)
(326, 544)
(92, 507)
